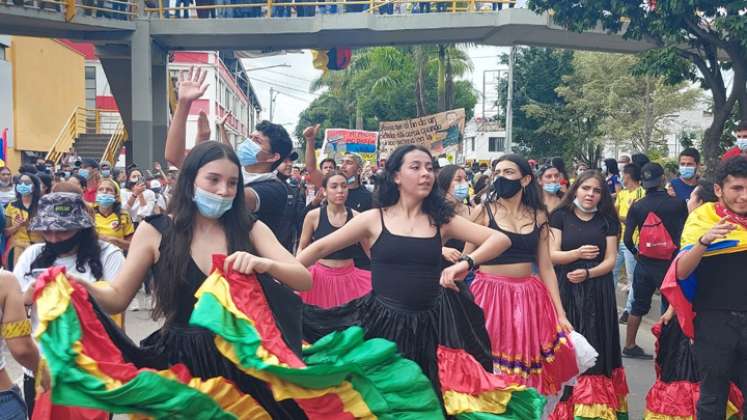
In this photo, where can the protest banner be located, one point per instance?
(338, 141)
(440, 133)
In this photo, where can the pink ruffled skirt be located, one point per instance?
(529, 348)
(336, 286)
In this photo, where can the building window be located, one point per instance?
(496, 144)
(90, 74)
(2, 53)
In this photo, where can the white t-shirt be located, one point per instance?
(138, 212)
(112, 260)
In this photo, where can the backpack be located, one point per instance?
(654, 240)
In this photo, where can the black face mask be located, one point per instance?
(506, 188)
(63, 247)
(41, 168)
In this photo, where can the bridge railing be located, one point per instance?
(111, 9)
(286, 8)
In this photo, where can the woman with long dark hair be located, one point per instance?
(439, 327)
(17, 216)
(452, 180)
(335, 278)
(523, 313)
(585, 231)
(70, 240)
(206, 216)
(549, 178)
(612, 172)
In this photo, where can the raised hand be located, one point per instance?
(311, 132)
(221, 122)
(192, 84)
(203, 127)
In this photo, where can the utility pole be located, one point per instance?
(509, 100)
(272, 103)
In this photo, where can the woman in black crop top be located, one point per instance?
(336, 279)
(584, 244)
(523, 313)
(437, 326)
(207, 216)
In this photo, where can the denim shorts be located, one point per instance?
(12, 406)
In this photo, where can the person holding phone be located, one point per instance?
(137, 199)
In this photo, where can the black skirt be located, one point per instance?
(592, 310)
(453, 321)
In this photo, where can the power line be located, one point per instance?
(305, 92)
(303, 79)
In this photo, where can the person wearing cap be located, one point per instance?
(649, 272)
(70, 240)
(89, 169)
(259, 154)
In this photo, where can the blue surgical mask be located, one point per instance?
(742, 144)
(687, 172)
(106, 173)
(85, 173)
(247, 152)
(24, 189)
(211, 205)
(461, 191)
(552, 188)
(105, 200)
(351, 180)
(580, 207)
(67, 174)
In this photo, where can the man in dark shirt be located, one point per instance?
(720, 300)
(359, 198)
(649, 272)
(265, 194)
(684, 185)
(294, 209)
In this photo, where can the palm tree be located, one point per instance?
(453, 61)
(369, 70)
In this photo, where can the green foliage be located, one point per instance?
(698, 41)
(537, 73)
(381, 85)
(598, 100)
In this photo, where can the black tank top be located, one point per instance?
(523, 245)
(405, 270)
(325, 228)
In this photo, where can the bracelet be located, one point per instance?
(700, 241)
(15, 329)
(588, 274)
(39, 372)
(470, 261)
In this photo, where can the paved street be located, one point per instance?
(640, 374)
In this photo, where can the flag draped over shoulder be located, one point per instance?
(341, 376)
(680, 293)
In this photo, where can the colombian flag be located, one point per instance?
(3, 146)
(680, 293)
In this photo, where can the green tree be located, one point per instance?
(382, 84)
(537, 73)
(698, 40)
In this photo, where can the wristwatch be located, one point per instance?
(469, 260)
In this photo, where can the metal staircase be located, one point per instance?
(93, 133)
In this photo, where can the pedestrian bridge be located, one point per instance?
(268, 25)
(133, 37)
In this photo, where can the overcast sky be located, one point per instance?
(293, 82)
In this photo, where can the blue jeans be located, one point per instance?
(624, 256)
(12, 406)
